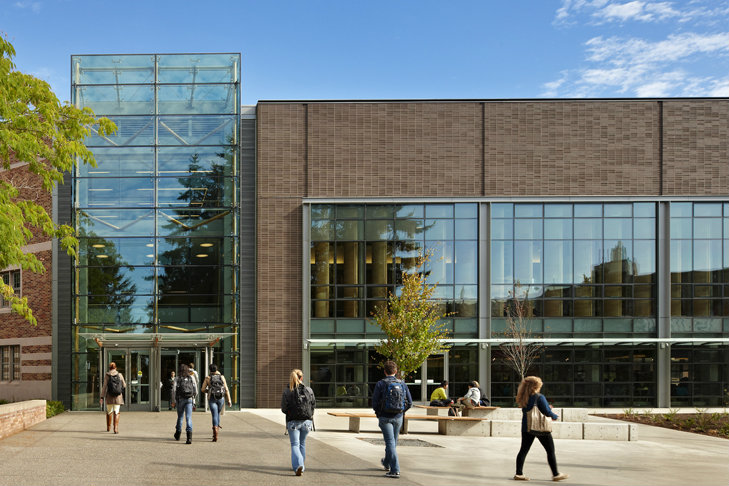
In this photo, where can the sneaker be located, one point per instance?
(520, 477)
(299, 470)
(560, 477)
(384, 466)
(395, 475)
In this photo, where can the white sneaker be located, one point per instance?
(520, 477)
(560, 477)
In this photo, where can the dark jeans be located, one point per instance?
(526, 443)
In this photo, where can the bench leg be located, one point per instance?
(354, 424)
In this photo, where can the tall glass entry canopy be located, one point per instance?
(156, 218)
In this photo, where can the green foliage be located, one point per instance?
(671, 415)
(629, 412)
(35, 129)
(54, 408)
(4, 402)
(411, 322)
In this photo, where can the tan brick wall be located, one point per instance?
(462, 149)
(572, 148)
(16, 417)
(394, 149)
(696, 148)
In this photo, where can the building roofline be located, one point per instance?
(497, 100)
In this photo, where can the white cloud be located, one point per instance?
(607, 11)
(34, 6)
(636, 10)
(638, 67)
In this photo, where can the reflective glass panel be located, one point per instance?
(588, 256)
(128, 69)
(198, 68)
(116, 251)
(438, 229)
(502, 262)
(349, 230)
(115, 279)
(528, 261)
(644, 228)
(350, 212)
(557, 261)
(205, 161)
(200, 190)
(707, 209)
(558, 229)
(197, 130)
(440, 266)
(588, 210)
(438, 210)
(502, 229)
(117, 100)
(116, 222)
(466, 210)
(644, 210)
(502, 210)
(558, 210)
(195, 222)
(466, 229)
(618, 210)
(588, 229)
(378, 230)
(707, 227)
(409, 229)
(120, 162)
(528, 211)
(120, 309)
(131, 131)
(410, 211)
(115, 192)
(527, 229)
(466, 262)
(681, 210)
(200, 99)
(618, 228)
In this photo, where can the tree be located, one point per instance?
(519, 350)
(412, 322)
(37, 130)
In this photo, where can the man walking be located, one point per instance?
(390, 400)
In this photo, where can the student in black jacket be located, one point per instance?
(298, 403)
(390, 418)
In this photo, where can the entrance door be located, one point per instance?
(171, 359)
(436, 371)
(135, 365)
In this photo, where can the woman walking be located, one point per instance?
(184, 390)
(218, 393)
(298, 403)
(113, 393)
(527, 397)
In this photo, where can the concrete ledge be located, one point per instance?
(506, 428)
(567, 430)
(16, 417)
(602, 431)
(476, 428)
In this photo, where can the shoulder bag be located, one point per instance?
(537, 422)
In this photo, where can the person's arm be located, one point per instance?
(544, 407)
(205, 385)
(377, 398)
(408, 399)
(103, 388)
(227, 392)
(284, 402)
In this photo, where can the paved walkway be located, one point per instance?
(74, 449)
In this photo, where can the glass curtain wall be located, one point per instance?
(699, 302)
(586, 270)
(156, 218)
(358, 255)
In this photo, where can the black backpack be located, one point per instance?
(217, 390)
(185, 387)
(114, 386)
(394, 400)
(303, 403)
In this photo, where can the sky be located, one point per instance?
(399, 49)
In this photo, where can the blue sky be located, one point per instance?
(400, 49)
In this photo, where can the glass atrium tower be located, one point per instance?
(156, 278)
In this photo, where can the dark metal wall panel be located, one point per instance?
(62, 315)
(248, 263)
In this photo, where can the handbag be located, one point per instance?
(537, 422)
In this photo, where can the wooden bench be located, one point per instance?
(445, 426)
(479, 412)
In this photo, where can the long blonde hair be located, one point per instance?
(295, 379)
(528, 387)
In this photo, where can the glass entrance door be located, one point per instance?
(135, 366)
(436, 371)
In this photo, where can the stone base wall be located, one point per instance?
(15, 417)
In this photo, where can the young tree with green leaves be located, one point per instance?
(412, 322)
(37, 131)
(520, 350)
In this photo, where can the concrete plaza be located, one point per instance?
(75, 449)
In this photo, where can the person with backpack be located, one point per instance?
(390, 400)
(184, 391)
(471, 399)
(113, 393)
(218, 393)
(298, 403)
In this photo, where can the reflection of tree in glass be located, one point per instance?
(192, 273)
(108, 288)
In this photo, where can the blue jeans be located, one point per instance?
(390, 428)
(215, 407)
(298, 430)
(184, 406)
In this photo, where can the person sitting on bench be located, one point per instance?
(439, 397)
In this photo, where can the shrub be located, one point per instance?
(4, 402)
(54, 408)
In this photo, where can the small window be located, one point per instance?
(11, 278)
(9, 363)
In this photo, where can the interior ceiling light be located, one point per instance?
(150, 245)
(206, 245)
(149, 256)
(102, 256)
(201, 255)
(98, 246)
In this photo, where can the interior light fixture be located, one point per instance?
(149, 245)
(102, 256)
(206, 245)
(98, 246)
(149, 256)
(201, 255)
